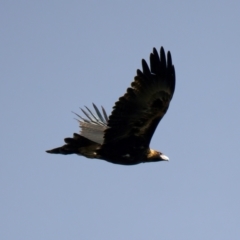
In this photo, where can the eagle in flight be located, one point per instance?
(124, 136)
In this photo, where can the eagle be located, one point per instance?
(124, 137)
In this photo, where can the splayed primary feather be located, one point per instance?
(93, 128)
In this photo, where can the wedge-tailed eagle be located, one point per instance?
(124, 136)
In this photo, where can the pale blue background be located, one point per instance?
(57, 56)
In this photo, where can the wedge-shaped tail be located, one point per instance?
(78, 145)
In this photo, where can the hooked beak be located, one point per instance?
(164, 157)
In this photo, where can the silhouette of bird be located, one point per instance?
(124, 136)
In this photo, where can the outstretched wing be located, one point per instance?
(138, 112)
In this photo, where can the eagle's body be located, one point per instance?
(124, 137)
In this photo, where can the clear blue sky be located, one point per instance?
(57, 56)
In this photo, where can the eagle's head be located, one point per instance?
(155, 156)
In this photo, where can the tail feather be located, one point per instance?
(73, 145)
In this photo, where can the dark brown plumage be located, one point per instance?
(124, 137)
